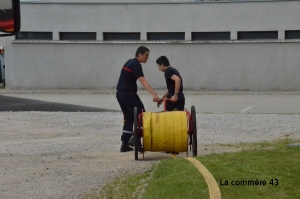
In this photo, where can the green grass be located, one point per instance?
(178, 178)
(276, 162)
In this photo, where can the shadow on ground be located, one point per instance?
(15, 104)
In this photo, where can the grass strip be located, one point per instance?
(269, 170)
(176, 179)
(273, 165)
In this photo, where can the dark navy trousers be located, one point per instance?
(128, 101)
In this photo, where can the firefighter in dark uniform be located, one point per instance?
(127, 93)
(174, 85)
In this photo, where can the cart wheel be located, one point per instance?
(190, 138)
(194, 126)
(136, 137)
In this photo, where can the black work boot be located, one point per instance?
(125, 147)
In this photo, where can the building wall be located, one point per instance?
(209, 65)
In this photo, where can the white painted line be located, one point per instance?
(246, 109)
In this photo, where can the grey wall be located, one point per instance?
(213, 65)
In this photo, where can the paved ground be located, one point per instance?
(17, 104)
(60, 143)
(205, 101)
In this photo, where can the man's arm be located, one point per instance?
(177, 87)
(163, 97)
(147, 86)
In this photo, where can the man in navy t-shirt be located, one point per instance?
(127, 93)
(174, 85)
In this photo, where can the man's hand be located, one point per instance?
(160, 102)
(155, 98)
(174, 98)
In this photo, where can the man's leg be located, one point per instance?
(170, 106)
(127, 103)
(181, 103)
(140, 109)
(122, 98)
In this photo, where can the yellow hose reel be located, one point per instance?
(165, 131)
(171, 131)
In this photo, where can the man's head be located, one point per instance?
(142, 54)
(162, 63)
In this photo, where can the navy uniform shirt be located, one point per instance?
(169, 72)
(130, 72)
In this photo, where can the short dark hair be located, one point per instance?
(163, 60)
(142, 50)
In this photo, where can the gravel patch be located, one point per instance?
(66, 155)
(237, 128)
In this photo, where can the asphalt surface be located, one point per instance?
(16, 104)
(209, 102)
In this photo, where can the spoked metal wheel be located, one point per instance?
(194, 127)
(135, 134)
